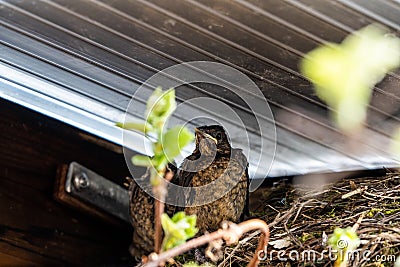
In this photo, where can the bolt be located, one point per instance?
(81, 181)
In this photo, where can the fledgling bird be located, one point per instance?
(216, 161)
(213, 160)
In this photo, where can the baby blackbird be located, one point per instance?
(213, 160)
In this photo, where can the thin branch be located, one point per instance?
(381, 196)
(230, 233)
(158, 209)
(160, 192)
(231, 254)
(354, 192)
(357, 224)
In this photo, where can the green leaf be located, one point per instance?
(160, 162)
(174, 140)
(136, 126)
(143, 161)
(156, 176)
(345, 74)
(177, 229)
(344, 239)
(160, 106)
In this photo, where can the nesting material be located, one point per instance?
(301, 219)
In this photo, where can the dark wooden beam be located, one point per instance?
(34, 227)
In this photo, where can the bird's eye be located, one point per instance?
(219, 136)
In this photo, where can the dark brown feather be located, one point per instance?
(141, 208)
(230, 206)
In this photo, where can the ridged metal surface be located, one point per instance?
(81, 62)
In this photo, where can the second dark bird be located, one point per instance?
(213, 160)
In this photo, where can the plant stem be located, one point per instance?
(230, 234)
(158, 210)
(160, 191)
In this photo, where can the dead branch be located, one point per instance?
(160, 192)
(230, 233)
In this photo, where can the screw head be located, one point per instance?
(81, 181)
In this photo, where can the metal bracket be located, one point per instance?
(92, 192)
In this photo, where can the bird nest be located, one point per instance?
(302, 217)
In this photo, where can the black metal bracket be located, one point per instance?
(86, 189)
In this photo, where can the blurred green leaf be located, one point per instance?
(174, 140)
(160, 106)
(177, 229)
(137, 126)
(344, 239)
(156, 177)
(345, 74)
(160, 162)
(143, 161)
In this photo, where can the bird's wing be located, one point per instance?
(246, 210)
(173, 198)
(185, 177)
(241, 158)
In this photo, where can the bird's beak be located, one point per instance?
(205, 135)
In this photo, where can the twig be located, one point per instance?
(159, 203)
(237, 246)
(355, 192)
(158, 210)
(230, 233)
(357, 224)
(300, 208)
(381, 196)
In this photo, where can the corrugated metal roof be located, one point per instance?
(81, 62)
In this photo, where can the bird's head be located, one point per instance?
(209, 138)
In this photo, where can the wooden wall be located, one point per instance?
(36, 230)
